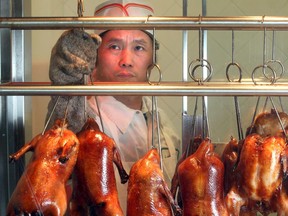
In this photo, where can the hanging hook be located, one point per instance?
(264, 66)
(98, 106)
(233, 64)
(273, 61)
(149, 71)
(50, 115)
(154, 64)
(236, 102)
(154, 101)
(80, 8)
(203, 63)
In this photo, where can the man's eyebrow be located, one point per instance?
(117, 40)
(114, 40)
(141, 41)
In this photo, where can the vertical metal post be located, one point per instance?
(12, 107)
(185, 55)
(185, 127)
(205, 72)
(5, 59)
(204, 36)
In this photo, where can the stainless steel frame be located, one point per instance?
(13, 70)
(14, 67)
(163, 89)
(160, 23)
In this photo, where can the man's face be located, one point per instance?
(124, 56)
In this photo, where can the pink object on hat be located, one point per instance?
(123, 8)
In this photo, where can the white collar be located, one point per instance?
(116, 111)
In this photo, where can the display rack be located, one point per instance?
(163, 89)
(167, 23)
(159, 23)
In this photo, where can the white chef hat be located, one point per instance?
(123, 8)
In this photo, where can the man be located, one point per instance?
(124, 56)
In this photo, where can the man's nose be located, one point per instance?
(126, 58)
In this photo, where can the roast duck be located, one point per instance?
(268, 124)
(94, 184)
(201, 177)
(230, 159)
(41, 188)
(260, 176)
(148, 193)
(189, 150)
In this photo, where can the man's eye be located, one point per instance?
(139, 48)
(115, 47)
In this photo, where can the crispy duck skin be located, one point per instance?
(261, 175)
(230, 159)
(201, 178)
(267, 124)
(41, 188)
(94, 182)
(190, 149)
(148, 193)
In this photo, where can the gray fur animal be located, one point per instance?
(73, 56)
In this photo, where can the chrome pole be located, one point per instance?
(163, 89)
(164, 23)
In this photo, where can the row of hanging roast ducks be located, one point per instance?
(249, 177)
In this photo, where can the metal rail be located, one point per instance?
(164, 89)
(162, 23)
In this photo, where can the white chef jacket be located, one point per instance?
(132, 134)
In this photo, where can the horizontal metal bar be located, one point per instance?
(166, 23)
(163, 89)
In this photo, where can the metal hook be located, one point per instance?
(80, 8)
(233, 64)
(149, 71)
(155, 112)
(148, 18)
(200, 43)
(85, 98)
(263, 18)
(154, 100)
(201, 62)
(193, 126)
(273, 61)
(50, 115)
(65, 115)
(151, 67)
(199, 19)
(192, 70)
(239, 70)
(272, 78)
(236, 103)
(206, 129)
(278, 116)
(98, 107)
(264, 66)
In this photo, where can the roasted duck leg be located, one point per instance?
(148, 194)
(41, 188)
(94, 183)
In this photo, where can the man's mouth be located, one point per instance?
(124, 75)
